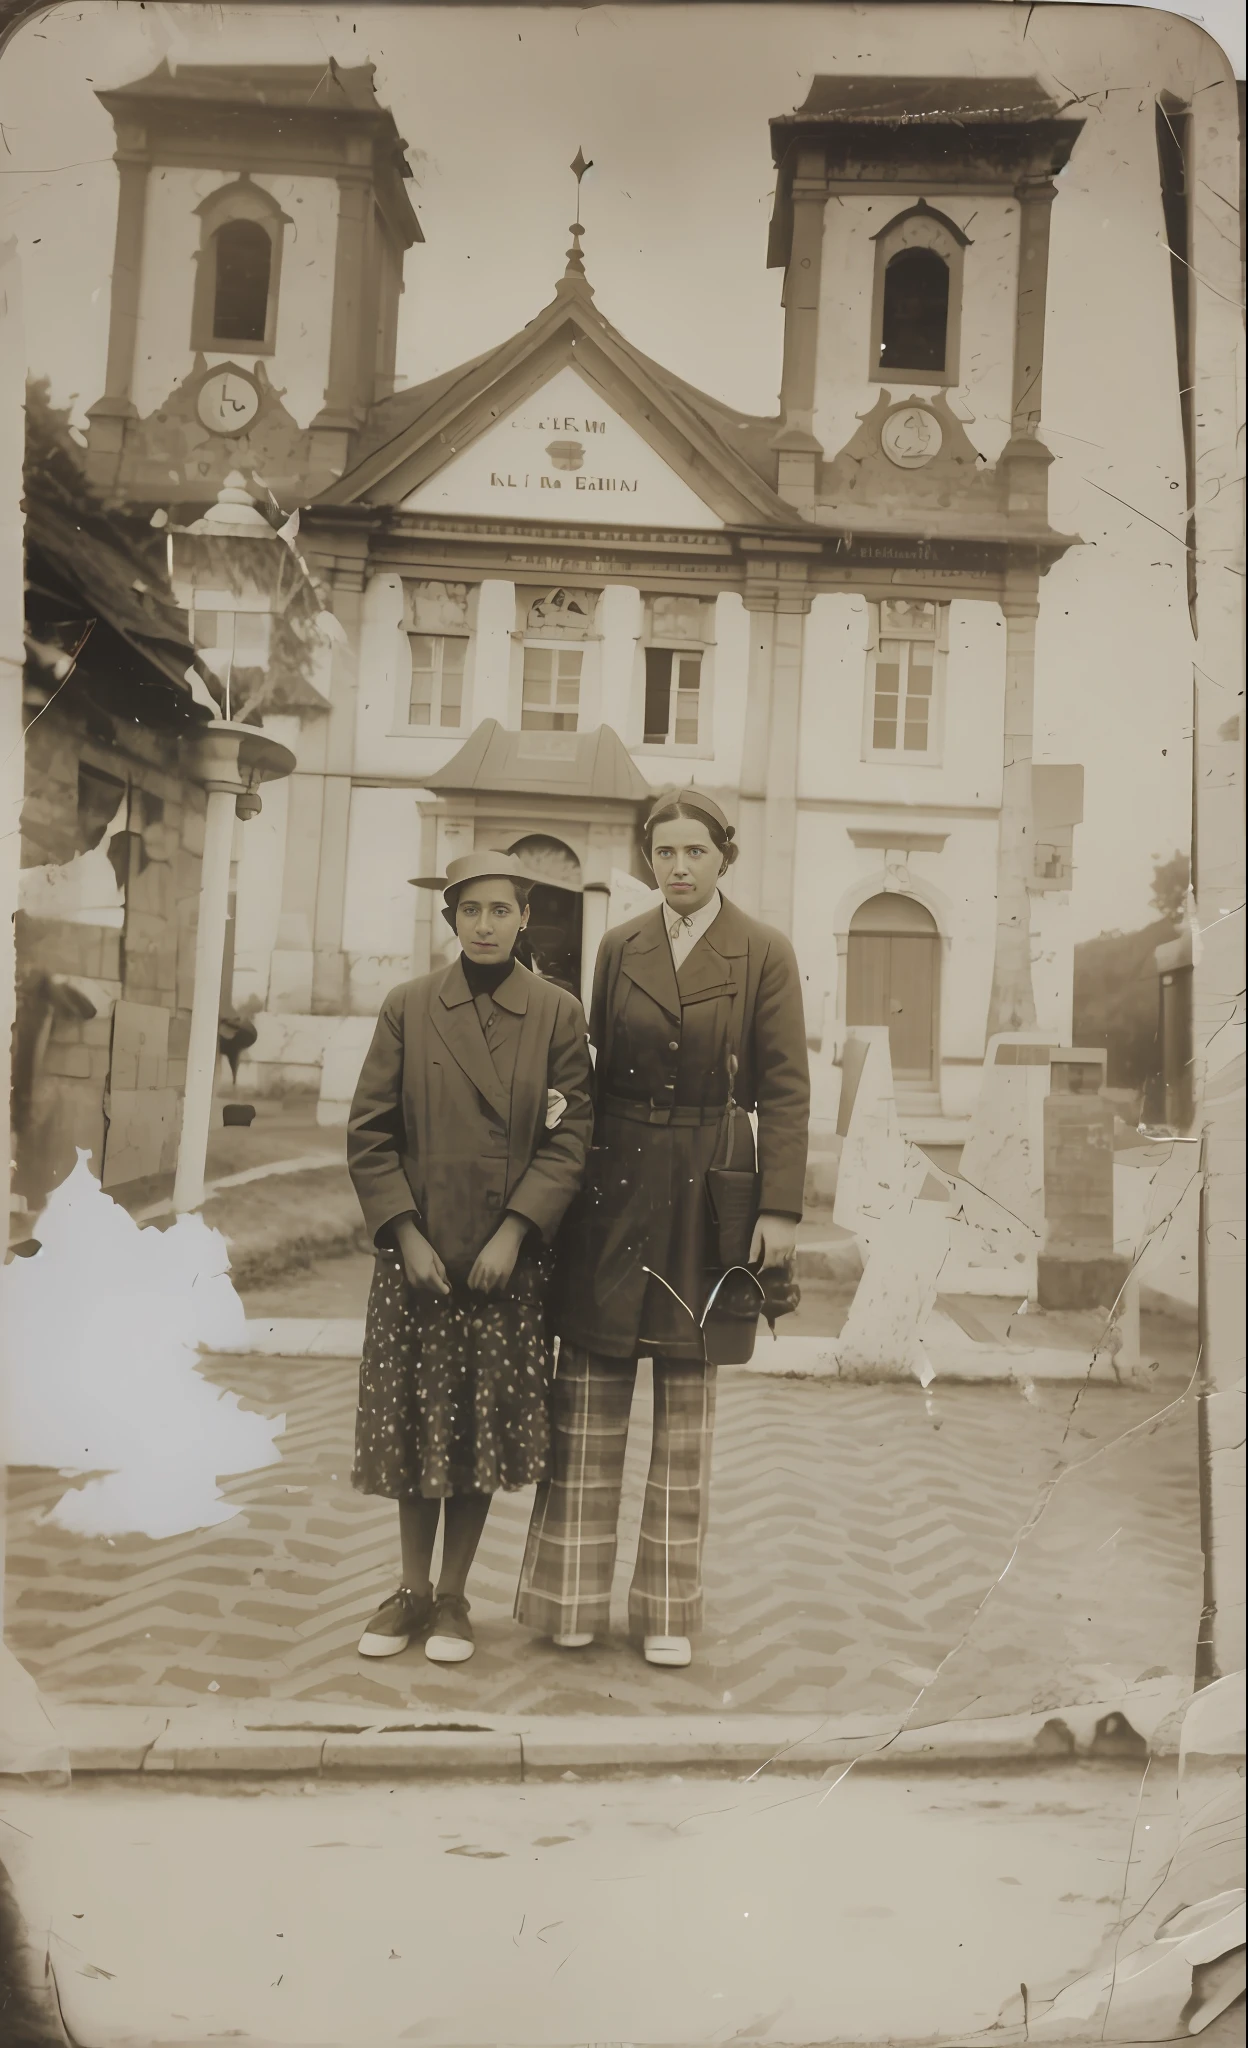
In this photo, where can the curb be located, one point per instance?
(956, 1358)
(275, 1738)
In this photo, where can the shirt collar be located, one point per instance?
(697, 922)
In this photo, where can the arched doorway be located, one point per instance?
(554, 908)
(894, 979)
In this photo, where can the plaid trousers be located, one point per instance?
(569, 1559)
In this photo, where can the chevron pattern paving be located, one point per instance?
(864, 1546)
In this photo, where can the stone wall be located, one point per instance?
(109, 917)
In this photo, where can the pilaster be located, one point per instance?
(799, 453)
(329, 965)
(1025, 459)
(107, 417)
(1012, 1005)
(777, 597)
(343, 410)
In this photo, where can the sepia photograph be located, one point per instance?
(621, 1335)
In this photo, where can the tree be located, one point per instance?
(1171, 881)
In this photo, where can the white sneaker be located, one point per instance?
(574, 1642)
(673, 1651)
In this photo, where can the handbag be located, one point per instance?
(732, 1197)
(731, 1192)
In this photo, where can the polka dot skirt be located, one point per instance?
(454, 1389)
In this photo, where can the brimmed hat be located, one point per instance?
(474, 867)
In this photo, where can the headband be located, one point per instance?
(692, 800)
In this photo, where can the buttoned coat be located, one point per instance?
(661, 1040)
(433, 1130)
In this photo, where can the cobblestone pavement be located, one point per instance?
(867, 1545)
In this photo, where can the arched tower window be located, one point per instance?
(917, 309)
(244, 263)
(239, 270)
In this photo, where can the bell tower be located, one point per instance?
(262, 224)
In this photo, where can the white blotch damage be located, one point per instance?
(99, 1335)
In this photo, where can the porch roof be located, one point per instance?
(496, 761)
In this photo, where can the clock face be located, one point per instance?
(911, 437)
(228, 402)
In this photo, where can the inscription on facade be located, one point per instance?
(524, 481)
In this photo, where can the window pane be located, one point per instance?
(241, 301)
(916, 725)
(658, 696)
(454, 655)
(887, 696)
(688, 686)
(538, 675)
(916, 312)
(919, 680)
(208, 629)
(424, 678)
(568, 679)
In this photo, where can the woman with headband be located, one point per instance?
(696, 1021)
(467, 1140)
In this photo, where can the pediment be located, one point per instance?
(566, 454)
(567, 423)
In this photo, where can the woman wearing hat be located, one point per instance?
(696, 1020)
(467, 1139)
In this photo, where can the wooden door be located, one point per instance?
(893, 980)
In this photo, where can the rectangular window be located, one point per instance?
(437, 693)
(552, 689)
(673, 698)
(902, 680)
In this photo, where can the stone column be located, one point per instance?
(595, 903)
(231, 761)
(799, 452)
(777, 600)
(1012, 1005)
(1025, 458)
(107, 417)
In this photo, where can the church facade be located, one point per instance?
(565, 579)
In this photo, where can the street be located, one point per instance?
(863, 1908)
(867, 1545)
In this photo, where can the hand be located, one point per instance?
(421, 1264)
(495, 1264)
(774, 1241)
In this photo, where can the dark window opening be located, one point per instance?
(244, 265)
(915, 326)
(673, 697)
(658, 695)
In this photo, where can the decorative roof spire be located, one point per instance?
(575, 271)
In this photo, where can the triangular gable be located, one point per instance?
(693, 460)
(563, 454)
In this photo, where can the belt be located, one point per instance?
(675, 1116)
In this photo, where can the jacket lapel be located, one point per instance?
(457, 1025)
(647, 961)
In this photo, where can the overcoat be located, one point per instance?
(433, 1130)
(661, 1043)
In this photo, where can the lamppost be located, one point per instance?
(231, 763)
